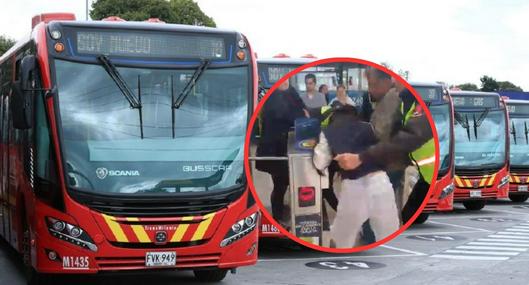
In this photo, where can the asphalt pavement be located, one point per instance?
(490, 246)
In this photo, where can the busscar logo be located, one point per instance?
(102, 172)
(206, 168)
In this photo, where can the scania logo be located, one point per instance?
(475, 183)
(101, 172)
(161, 237)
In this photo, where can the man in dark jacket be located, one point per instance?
(279, 112)
(396, 139)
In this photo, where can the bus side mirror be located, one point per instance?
(23, 88)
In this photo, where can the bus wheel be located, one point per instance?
(421, 219)
(214, 275)
(518, 198)
(474, 205)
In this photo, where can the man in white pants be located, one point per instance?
(366, 192)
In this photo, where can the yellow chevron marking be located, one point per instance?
(468, 183)
(202, 227)
(140, 232)
(458, 182)
(491, 180)
(181, 230)
(483, 181)
(115, 228)
(516, 179)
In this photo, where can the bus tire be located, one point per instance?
(421, 219)
(518, 198)
(215, 275)
(474, 205)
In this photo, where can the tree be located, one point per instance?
(170, 11)
(188, 12)
(5, 44)
(468, 87)
(508, 86)
(489, 84)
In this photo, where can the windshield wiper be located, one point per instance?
(177, 103)
(479, 121)
(513, 132)
(122, 85)
(463, 123)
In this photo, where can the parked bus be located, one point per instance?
(519, 164)
(481, 148)
(122, 148)
(441, 108)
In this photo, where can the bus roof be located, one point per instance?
(285, 61)
(425, 84)
(124, 25)
(517, 101)
(143, 26)
(473, 93)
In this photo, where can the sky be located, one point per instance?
(453, 41)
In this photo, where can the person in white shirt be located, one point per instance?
(341, 96)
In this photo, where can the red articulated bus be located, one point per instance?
(441, 108)
(481, 148)
(122, 148)
(519, 163)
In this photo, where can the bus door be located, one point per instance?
(4, 159)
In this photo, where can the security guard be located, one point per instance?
(405, 137)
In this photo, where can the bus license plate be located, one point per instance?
(159, 259)
(522, 188)
(475, 193)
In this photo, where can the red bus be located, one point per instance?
(441, 108)
(481, 129)
(122, 148)
(519, 123)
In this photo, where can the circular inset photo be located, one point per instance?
(341, 154)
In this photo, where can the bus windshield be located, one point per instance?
(479, 143)
(519, 141)
(441, 117)
(101, 134)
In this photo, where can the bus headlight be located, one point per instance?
(240, 229)
(70, 233)
(504, 181)
(446, 191)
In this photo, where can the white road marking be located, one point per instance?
(508, 236)
(518, 230)
(482, 252)
(505, 240)
(514, 233)
(498, 243)
(467, 257)
(493, 248)
(417, 233)
(521, 227)
(459, 226)
(403, 250)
